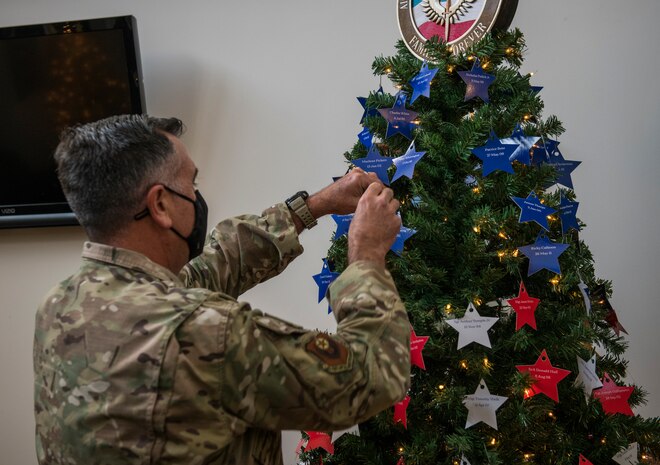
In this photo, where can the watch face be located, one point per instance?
(459, 23)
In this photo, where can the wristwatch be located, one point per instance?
(298, 206)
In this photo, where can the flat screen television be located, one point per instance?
(53, 76)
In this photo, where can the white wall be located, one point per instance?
(268, 91)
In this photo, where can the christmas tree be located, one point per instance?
(518, 355)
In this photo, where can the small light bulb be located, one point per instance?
(476, 229)
(441, 387)
(464, 364)
(400, 450)
(493, 441)
(503, 235)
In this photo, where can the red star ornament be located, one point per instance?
(321, 440)
(583, 460)
(401, 462)
(524, 306)
(400, 411)
(613, 398)
(545, 377)
(416, 345)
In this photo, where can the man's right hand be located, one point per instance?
(375, 225)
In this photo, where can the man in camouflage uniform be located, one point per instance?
(144, 355)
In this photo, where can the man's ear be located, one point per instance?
(159, 205)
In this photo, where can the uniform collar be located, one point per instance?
(128, 259)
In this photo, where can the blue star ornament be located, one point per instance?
(399, 119)
(405, 164)
(524, 145)
(324, 279)
(421, 83)
(543, 254)
(343, 223)
(564, 168)
(374, 162)
(366, 138)
(531, 209)
(541, 153)
(568, 212)
(494, 155)
(368, 111)
(401, 238)
(477, 82)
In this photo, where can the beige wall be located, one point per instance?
(268, 92)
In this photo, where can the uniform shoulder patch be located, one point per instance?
(334, 354)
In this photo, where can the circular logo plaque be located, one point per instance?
(459, 23)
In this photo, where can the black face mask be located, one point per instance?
(197, 236)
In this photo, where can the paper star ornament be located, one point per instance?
(531, 209)
(482, 406)
(545, 377)
(324, 279)
(464, 461)
(583, 460)
(567, 214)
(404, 234)
(587, 378)
(628, 456)
(524, 306)
(599, 295)
(522, 144)
(417, 343)
(584, 290)
(400, 412)
(366, 138)
(405, 164)
(368, 111)
(543, 254)
(399, 119)
(477, 82)
(421, 82)
(354, 430)
(319, 440)
(542, 152)
(343, 223)
(472, 327)
(374, 162)
(495, 155)
(613, 398)
(564, 168)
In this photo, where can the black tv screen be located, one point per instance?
(53, 76)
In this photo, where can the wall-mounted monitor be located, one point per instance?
(53, 76)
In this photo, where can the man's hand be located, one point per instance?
(342, 196)
(374, 226)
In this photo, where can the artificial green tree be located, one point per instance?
(466, 251)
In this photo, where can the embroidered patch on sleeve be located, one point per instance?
(335, 355)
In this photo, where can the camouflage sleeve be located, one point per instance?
(243, 251)
(281, 376)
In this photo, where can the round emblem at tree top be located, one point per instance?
(459, 23)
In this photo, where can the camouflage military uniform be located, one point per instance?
(134, 365)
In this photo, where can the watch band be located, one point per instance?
(298, 205)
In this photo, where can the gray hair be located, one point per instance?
(106, 167)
